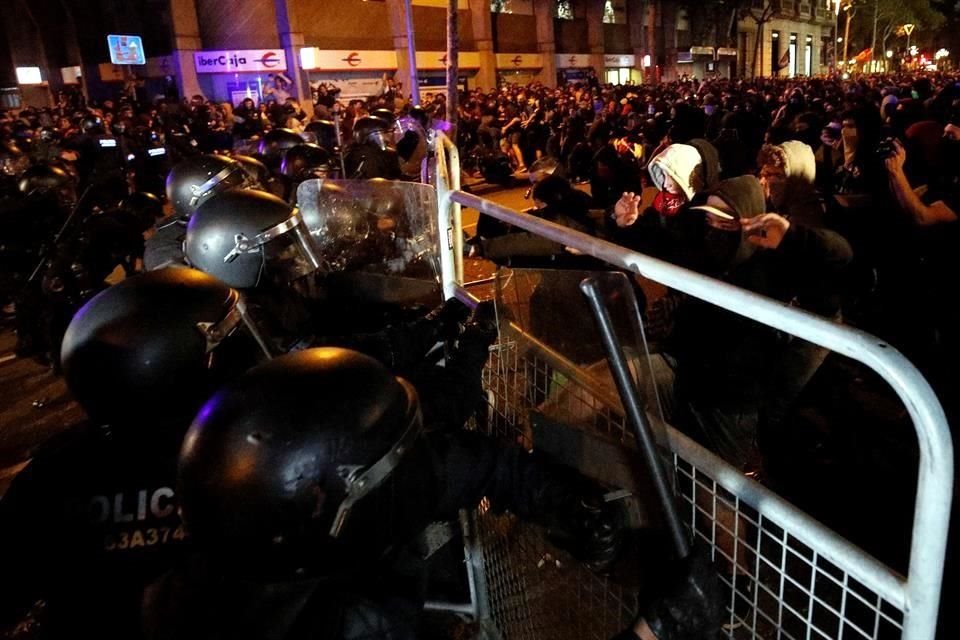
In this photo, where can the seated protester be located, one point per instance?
(732, 373)
(308, 509)
(787, 173)
(679, 172)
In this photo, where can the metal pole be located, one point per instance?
(630, 399)
(411, 53)
(846, 39)
(873, 42)
(336, 128)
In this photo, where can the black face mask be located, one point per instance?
(719, 248)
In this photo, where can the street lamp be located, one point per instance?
(846, 35)
(836, 28)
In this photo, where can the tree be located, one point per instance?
(891, 15)
(760, 17)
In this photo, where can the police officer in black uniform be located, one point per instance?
(190, 184)
(304, 483)
(305, 161)
(93, 517)
(373, 152)
(259, 244)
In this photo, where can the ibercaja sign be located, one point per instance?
(240, 60)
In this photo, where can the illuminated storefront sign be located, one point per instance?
(314, 59)
(240, 60)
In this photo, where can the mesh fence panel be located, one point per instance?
(777, 585)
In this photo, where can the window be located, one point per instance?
(684, 38)
(500, 6)
(563, 10)
(808, 56)
(792, 63)
(615, 12)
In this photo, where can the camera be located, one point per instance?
(886, 148)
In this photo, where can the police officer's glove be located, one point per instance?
(592, 530)
(481, 329)
(690, 607)
(448, 318)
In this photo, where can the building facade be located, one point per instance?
(226, 49)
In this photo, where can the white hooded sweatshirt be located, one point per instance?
(682, 163)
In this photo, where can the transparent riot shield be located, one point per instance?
(544, 312)
(377, 239)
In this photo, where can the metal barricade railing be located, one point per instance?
(788, 576)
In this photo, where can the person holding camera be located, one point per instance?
(935, 342)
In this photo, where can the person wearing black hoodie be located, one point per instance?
(732, 374)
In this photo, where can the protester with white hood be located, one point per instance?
(787, 173)
(679, 172)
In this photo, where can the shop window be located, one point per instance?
(563, 10)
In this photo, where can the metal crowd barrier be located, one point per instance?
(787, 575)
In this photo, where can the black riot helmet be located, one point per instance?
(324, 133)
(143, 351)
(91, 125)
(196, 180)
(420, 114)
(313, 462)
(42, 178)
(275, 144)
(256, 170)
(144, 207)
(374, 130)
(386, 115)
(245, 237)
(306, 161)
(13, 161)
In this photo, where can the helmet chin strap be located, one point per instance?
(361, 482)
(198, 191)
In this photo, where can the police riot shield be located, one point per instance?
(548, 308)
(377, 239)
